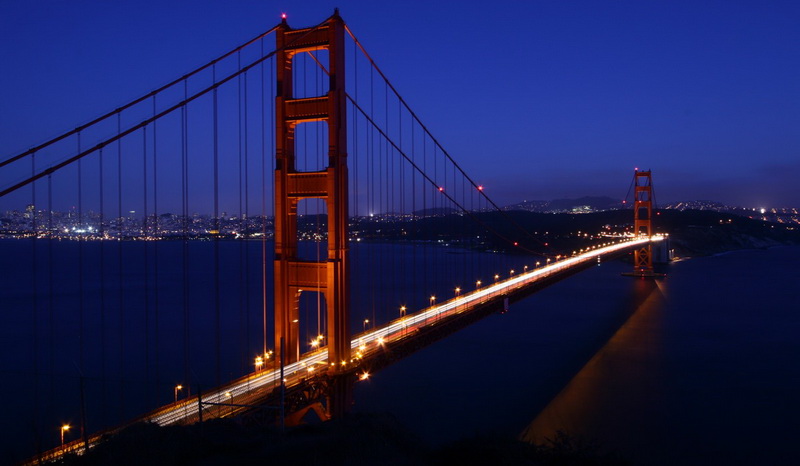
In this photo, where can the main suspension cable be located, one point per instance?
(130, 104)
(436, 141)
(143, 123)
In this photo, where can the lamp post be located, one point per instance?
(496, 277)
(230, 400)
(433, 300)
(64, 429)
(366, 321)
(477, 284)
(458, 291)
(259, 362)
(177, 389)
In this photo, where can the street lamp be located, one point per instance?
(496, 277)
(433, 300)
(177, 388)
(259, 362)
(458, 290)
(525, 269)
(230, 400)
(64, 429)
(538, 264)
(477, 284)
(366, 321)
(511, 273)
(402, 311)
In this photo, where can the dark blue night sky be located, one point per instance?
(565, 98)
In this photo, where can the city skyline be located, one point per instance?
(568, 98)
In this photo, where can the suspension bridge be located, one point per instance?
(277, 224)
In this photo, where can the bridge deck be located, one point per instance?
(253, 388)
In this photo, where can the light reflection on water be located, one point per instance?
(699, 368)
(705, 371)
(625, 368)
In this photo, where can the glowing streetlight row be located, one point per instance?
(64, 429)
(381, 335)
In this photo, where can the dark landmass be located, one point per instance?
(697, 233)
(592, 203)
(691, 232)
(379, 439)
(358, 439)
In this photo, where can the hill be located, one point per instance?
(692, 232)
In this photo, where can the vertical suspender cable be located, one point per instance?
(426, 248)
(146, 266)
(35, 315)
(246, 234)
(264, 201)
(413, 223)
(390, 187)
(120, 230)
(51, 291)
(217, 317)
(355, 208)
(242, 310)
(156, 234)
(242, 243)
(102, 233)
(185, 236)
(81, 342)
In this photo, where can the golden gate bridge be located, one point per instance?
(315, 152)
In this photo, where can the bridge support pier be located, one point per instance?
(340, 395)
(329, 396)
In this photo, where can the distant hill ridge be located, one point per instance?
(585, 203)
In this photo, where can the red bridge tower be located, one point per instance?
(643, 224)
(292, 275)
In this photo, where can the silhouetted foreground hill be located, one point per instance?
(361, 439)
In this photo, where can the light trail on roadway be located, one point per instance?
(253, 386)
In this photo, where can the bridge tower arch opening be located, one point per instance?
(293, 275)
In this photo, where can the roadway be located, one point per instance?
(246, 391)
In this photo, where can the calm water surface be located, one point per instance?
(701, 367)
